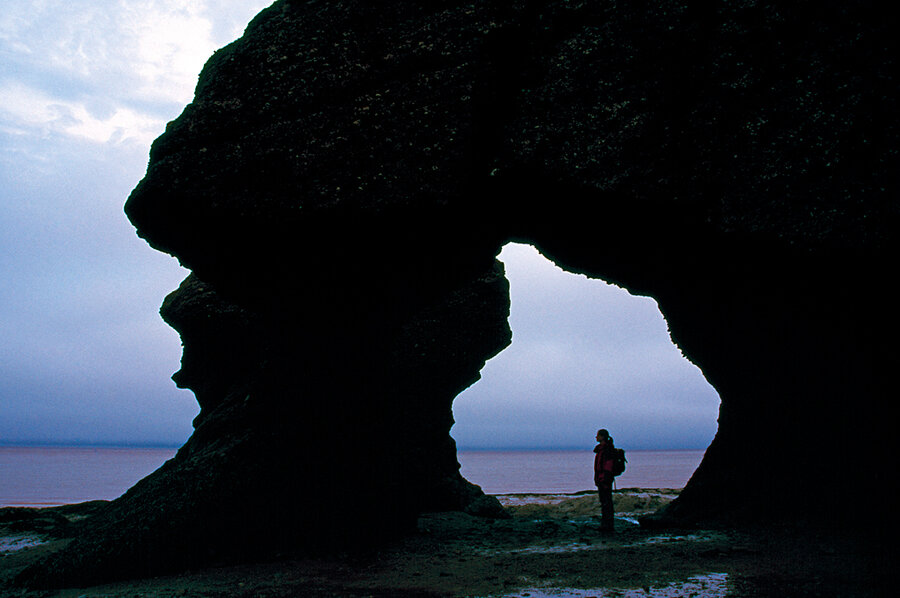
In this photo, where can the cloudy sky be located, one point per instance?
(85, 86)
(585, 354)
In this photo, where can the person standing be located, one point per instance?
(603, 477)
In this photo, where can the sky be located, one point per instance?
(585, 355)
(85, 87)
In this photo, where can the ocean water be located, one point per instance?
(45, 476)
(515, 472)
(49, 476)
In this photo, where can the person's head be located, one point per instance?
(602, 435)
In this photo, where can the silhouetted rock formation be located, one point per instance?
(349, 170)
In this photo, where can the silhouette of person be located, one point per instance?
(603, 477)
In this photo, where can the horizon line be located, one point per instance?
(92, 444)
(171, 446)
(572, 448)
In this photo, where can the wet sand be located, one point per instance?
(550, 546)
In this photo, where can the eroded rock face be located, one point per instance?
(348, 171)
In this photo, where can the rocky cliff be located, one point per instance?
(346, 175)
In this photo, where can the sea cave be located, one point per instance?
(348, 172)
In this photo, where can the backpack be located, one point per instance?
(619, 461)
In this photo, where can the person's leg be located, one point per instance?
(606, 507)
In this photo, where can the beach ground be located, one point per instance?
(550, 546)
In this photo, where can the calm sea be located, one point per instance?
(514, 472)
(46, 476)
(40, 476)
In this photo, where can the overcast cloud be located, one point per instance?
(85, 86)
(585, 354)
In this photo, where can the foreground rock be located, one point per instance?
(348, 171)
(549, 544)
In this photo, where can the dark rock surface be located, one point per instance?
(348, 171)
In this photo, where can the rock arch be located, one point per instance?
(347, 172)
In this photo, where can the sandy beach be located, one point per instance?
(550, 545)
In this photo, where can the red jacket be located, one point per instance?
(603, 464)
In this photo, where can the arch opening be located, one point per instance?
(585, 354)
